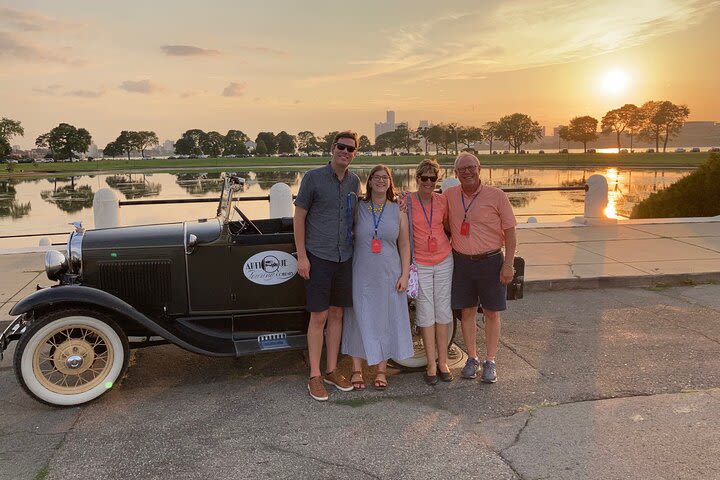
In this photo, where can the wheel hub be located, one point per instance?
(73, 356)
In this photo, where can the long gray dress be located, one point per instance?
(377, 327)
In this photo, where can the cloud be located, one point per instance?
(477, 43)
(187, 51)
(235, 89)
(13, 45)
(85, 93)
(49, 90)
(141, 86)
(26, 21)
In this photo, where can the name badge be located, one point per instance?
(376, 245)
(432, 244)
(465, 229)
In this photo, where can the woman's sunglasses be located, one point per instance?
(342, 147)
(425, 178)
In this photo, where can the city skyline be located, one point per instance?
(108, 67)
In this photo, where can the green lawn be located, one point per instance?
(551, 160)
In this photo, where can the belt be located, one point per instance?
(479, 256)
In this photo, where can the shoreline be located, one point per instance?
(571, 161)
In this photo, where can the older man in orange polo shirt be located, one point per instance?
(482, 222)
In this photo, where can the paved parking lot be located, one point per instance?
(603, 383)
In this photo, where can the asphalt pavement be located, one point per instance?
(598, 384)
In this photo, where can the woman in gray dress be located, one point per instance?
(377, 327)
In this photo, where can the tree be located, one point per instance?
(618, 120)
(517, 129)
(470, 135)
(582, 129)
(453, 132)
(365, 145)
(189, 143)
(212, 143)
(286, 142)
(260, 148)
(564, 134)
(235, 143)
(268, 138)
(8, 129)
(663, 120)
(145, 139)
(424, 133)
(403, 138)
(439, 136)
(64, 140)
(635, 122)
(490, 132)
(128, 141)
(386, 141)
(307, 142)
(112, 149)
(327, 140)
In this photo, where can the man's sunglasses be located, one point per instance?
(342, 147)
(425, 178)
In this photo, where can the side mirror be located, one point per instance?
(191, 244)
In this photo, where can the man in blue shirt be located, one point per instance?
(323, 237)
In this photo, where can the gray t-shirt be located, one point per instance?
(329, 221)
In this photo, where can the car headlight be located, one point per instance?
(56, 264)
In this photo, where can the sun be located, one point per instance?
(615, 81)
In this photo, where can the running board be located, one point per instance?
(270, 342)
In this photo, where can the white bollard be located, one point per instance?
(449, 182)
(596, 200)
(106, 209)
(532, 220)
(44, 242)
(281, 202)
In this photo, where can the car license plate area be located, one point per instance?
(272, 341)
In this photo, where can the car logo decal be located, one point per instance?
(270, 267)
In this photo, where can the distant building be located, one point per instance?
(93, 150)
(250, 145)
(424, 124)
(389, 125)
(169, 146)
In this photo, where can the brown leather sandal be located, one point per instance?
(357, 384)
(380, 384)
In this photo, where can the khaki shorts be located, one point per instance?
(435, 288)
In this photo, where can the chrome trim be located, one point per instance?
(74, 249)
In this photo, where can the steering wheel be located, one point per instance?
(247, 220)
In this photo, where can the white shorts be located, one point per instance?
(434, 291)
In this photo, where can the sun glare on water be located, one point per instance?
(615, 81)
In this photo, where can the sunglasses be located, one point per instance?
(425, 178)
(343, 147)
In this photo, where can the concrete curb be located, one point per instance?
(678, 279)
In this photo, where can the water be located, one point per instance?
(43, 205)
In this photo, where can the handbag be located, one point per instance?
(413, 285)
(515, 287)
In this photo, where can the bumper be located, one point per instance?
(12, 333)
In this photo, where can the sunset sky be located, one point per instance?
(169, 66)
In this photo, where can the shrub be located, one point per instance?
(697, 195)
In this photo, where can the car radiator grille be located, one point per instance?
(140, 283)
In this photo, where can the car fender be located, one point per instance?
(78, 294)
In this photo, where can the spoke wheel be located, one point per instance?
(70, 357)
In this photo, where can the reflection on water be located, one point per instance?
(60, 200)
(9, 206)
(139, 187)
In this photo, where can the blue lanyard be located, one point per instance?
(462, 198)
(349, 218)
(376, 222)
(429, 220)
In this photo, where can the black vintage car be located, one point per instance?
(223, 286)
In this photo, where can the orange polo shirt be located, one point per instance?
(489, 216)
(421, 230)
